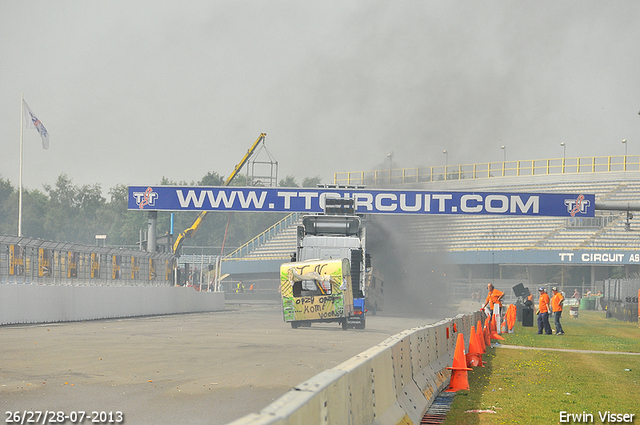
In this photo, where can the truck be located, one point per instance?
(337, 234)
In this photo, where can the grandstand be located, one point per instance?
(515, 238)
(472, 233)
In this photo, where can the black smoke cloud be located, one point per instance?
(415, 283)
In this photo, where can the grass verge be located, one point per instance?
(533, 387)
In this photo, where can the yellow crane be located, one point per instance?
(191, 231)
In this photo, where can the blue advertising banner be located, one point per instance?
(312, 200)
(596, 257)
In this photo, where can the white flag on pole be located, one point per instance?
(34, 122)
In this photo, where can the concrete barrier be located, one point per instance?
(42, 304)
(394, 382)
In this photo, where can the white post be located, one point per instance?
(21, 160)
(217, 273)
(496, 317)
(175, 273)
(201, 266)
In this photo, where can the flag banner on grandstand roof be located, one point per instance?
(312, 200)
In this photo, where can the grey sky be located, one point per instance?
(131, 91)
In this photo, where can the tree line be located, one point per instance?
(67, 212)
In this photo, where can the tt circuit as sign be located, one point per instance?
(312, 200)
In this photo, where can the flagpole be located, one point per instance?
(21, 160)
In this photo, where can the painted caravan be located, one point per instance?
(317, 291)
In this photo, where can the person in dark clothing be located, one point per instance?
(543, 313)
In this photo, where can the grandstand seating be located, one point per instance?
(615, 236)
(469, 233)
(280, 246)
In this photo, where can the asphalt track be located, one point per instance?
(207, 368)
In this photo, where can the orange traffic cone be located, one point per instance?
(474, 356)
(459, 379)
(493, 332)
(511, 317)
(480, 336)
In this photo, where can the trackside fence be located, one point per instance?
(393, 382)
(35, 261)
(620, 299)
(44, 282)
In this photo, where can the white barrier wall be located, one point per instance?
(41, 304)
(394, 382)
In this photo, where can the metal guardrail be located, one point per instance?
(534, 167)
(263, 237)
(35, 261)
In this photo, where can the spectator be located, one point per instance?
(543, 313)
(556, 305)
(576, 294)
(494, 297)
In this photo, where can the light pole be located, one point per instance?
(390, 156)
(624, 142)
(504, 159)
(564, 154)
(446, 162)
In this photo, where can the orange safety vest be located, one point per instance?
(555, 302)
(543, 304)
(494, 298)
